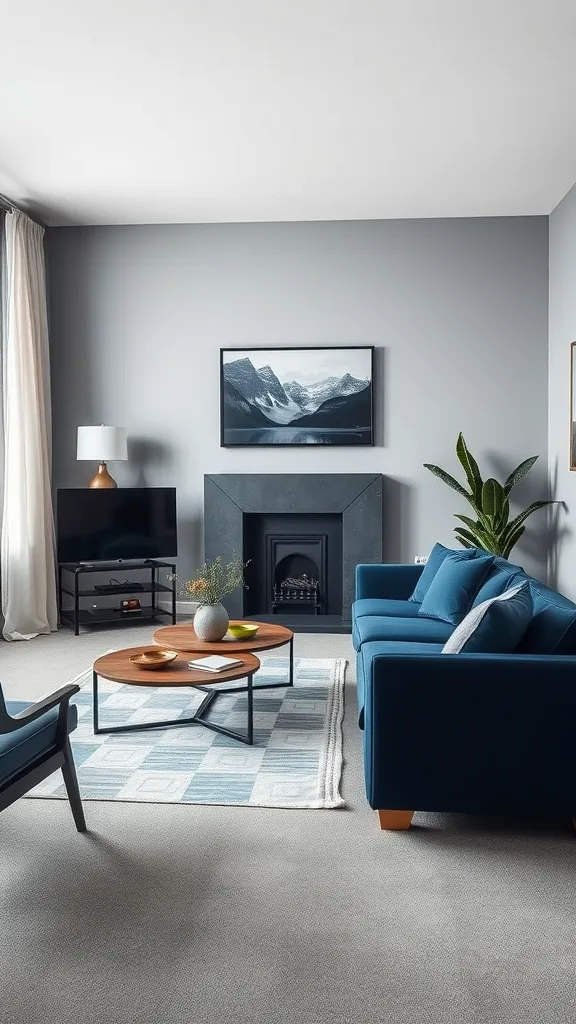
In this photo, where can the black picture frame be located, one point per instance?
(244, 400)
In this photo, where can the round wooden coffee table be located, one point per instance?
(118, 668)
(269, 636)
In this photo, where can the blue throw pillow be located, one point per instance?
(496, 626)
(435, 559)
(499, 581)
(553, 627)
(454, 587)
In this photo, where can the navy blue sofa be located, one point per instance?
(474, 733)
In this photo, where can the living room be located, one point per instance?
(237, 237)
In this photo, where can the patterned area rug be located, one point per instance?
(296, 760)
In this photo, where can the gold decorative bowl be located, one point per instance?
(156, 657)
(242, 630)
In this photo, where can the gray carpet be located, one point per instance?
(165, 915)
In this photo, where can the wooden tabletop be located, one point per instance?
(183, 638)
(119, 669)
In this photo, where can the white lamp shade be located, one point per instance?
(102, 444)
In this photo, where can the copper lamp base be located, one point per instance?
(102, 478)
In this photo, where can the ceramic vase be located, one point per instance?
(211, 622)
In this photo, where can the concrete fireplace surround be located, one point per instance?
(357, 497)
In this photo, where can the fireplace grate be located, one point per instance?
(297, 590)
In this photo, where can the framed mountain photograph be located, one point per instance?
(573, 405)
(294, 396)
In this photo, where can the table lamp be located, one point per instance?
(102, 444)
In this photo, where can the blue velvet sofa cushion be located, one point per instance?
(435, 560)
(24, 745)
(380, 607)
(454, 587)
(370, 650)
(553, 626)
(369, 628)
(496, 626)
(384, 606)
(502, 576)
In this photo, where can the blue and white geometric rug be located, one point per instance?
(296, 760)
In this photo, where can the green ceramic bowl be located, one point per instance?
(243, 630)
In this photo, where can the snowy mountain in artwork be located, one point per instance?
(262, 390)
(254, 397)
(297, 396)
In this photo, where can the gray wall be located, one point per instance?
(457, 309)
(562, 332)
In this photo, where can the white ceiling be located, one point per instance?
(141, 111)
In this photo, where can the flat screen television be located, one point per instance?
(95, 525)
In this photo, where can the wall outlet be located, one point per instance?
(420, 559)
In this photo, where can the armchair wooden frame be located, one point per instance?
(58, 756)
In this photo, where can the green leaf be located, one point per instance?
(492, 499)
(512, 526)
(468, 522)
(492, 545)
(502, 521)
(518, 473)
(485, 521)
(470, 467)
(465, 538)
(482, 538)
(449, 480)
(462, 540)
(512, 541)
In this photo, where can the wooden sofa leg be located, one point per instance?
(395, 821)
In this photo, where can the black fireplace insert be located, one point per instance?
(294, 563)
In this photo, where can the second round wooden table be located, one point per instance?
(270, 635)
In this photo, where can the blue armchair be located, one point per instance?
(34, 742)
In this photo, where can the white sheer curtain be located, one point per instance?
(27, 535)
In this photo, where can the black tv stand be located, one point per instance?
(77, 614)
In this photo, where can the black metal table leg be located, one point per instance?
(76, 603)
(60, 594)
(196, 719)
(250, 700)
(209, 699)
(95, 702)
(270, 686)
(173, 567)
(291, 676)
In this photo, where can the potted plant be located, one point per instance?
(213, 581)
(491, 529)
